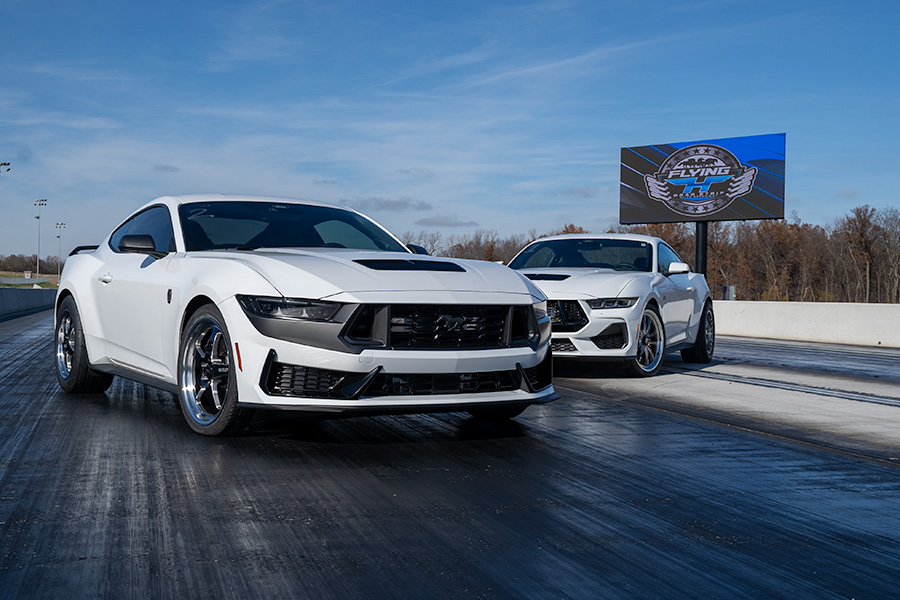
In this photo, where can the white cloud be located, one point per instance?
(445, 221)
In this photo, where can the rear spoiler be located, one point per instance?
(79, 249)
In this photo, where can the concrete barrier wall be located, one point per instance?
(21, 280)
(16, 302)
(831, 322)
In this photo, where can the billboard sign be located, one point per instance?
(731, 179)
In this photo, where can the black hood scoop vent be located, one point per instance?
(546, 277)
(392, 264)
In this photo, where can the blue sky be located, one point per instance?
(446, 116)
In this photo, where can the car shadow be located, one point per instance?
(590, 369)
(380, 429)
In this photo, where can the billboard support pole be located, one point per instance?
(700, 238)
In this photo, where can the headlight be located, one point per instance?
(540, 310)
(289, 308)
(611, 302)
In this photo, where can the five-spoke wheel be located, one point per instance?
(207, 385)
(651, 345)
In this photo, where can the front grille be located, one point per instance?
(611, 338)
(433, 326)
(442, 327)
(566, 315)
(281, 379)
(562, 346)
(426, 384)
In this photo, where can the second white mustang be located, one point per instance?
(621, 297)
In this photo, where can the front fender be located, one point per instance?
(194, 281)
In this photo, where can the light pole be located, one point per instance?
(39, 203)
(59, 228)
(4, 167)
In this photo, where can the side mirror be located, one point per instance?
(417, 249)
(677, 268)
(140, 244)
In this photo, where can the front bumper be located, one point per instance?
(280, 374)
(608, 334)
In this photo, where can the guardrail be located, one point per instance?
(18, 302)
(829, 322)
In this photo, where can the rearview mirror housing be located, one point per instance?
(139, 244)
(677, 268)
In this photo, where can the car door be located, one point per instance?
(677, 296)
(131, 293)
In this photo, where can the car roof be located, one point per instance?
(175, 201)
(636, 237)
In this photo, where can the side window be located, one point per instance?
(155, 222)
(666, 257)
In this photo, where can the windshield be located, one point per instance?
(249, 225)
(620, 255)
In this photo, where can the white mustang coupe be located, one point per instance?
(621, 297)
(238, 303)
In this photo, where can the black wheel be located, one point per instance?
(702, 350)
(73, 371)
(651, 345)
(207, 391)
(498, 413)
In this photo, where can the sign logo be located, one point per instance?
(700, 180)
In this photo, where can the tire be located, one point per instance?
(498, 413)
(651, 345)
(73, 370)
(703, 348)
(207, 385)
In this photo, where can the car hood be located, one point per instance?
(581, 283)
(351, 275)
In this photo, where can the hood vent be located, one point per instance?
(391, 264)
(546, 277)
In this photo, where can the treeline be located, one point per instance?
(19, 263)
(482, 244)
(855, 259)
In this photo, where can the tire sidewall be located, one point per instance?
(705, 353)
(70, 382)
(634, 367)
(224, 421)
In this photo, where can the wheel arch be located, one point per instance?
(60, 297)
(195, 303)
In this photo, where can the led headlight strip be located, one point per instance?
(289, 308)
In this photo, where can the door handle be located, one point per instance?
(105, 278)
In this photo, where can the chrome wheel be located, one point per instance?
(651, 342)
(709, 333)
(205, 371)
(65, 344)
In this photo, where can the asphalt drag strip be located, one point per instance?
(854, 414)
